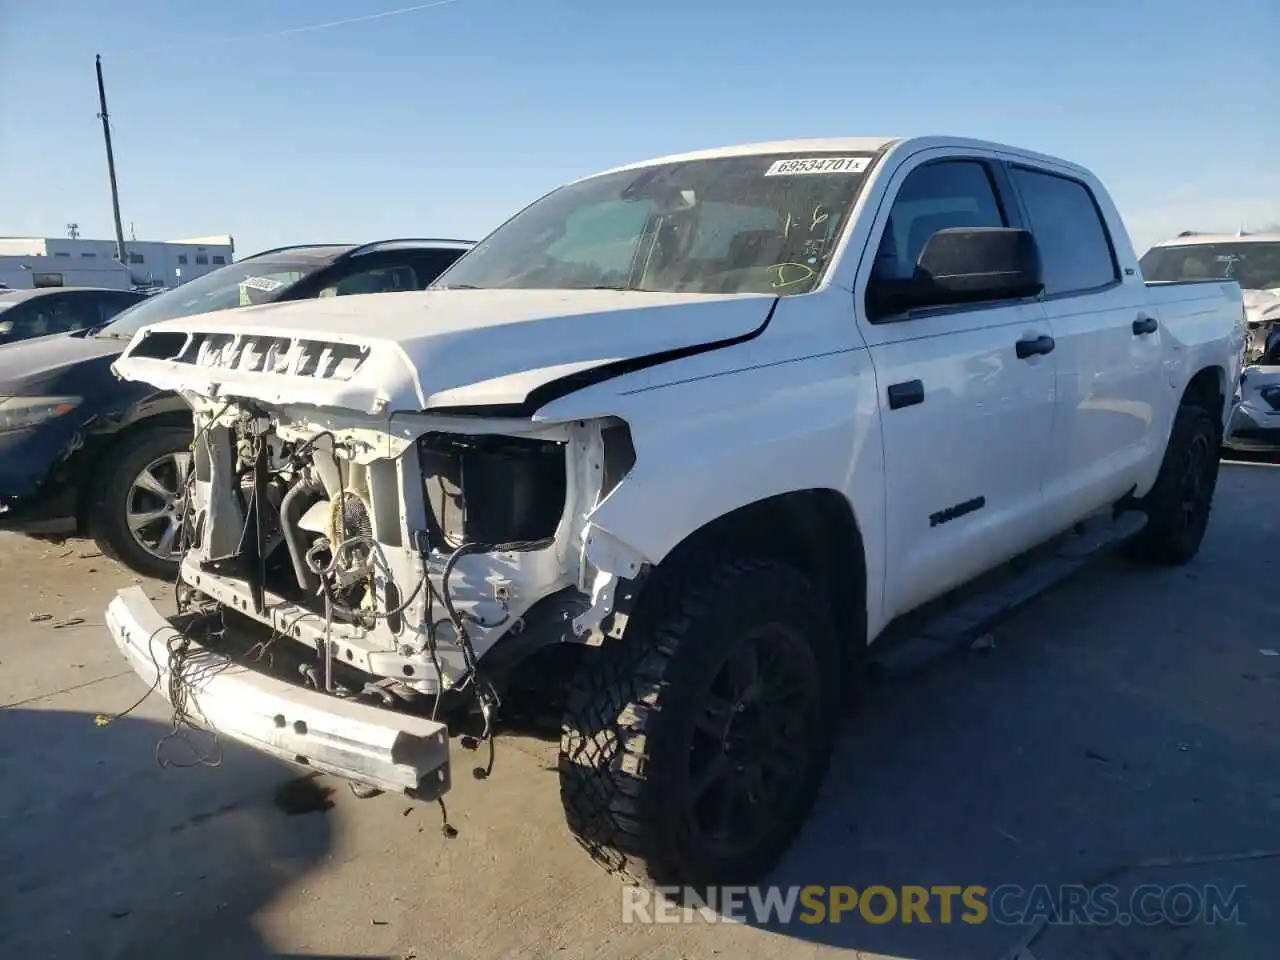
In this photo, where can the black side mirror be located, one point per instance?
(966, 265)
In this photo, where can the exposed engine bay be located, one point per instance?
(394, 554)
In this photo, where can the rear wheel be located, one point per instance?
(1179, 504)
(136, 510)
(692, 749)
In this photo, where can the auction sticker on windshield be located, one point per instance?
(818, 165)
(265, 284)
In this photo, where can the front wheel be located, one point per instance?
(1179, 504)
(692, 752)
(136, 510)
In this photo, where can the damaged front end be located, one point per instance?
(363, 578)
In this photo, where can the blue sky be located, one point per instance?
(442, 122)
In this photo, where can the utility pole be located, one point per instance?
(111, 164)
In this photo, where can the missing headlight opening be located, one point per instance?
(396, 562)
(489, 489)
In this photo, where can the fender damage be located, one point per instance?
(388, 506)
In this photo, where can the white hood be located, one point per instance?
(385, 352)
(1262, 303)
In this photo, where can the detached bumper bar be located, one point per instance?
(395, 752)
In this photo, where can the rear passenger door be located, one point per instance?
(1109, 350)
(965, 422)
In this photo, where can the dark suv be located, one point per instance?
(84, 452)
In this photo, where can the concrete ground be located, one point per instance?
(1125, 727)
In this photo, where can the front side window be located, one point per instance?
(1253, 265)
(749, 224)
(377, 280)
(1075, 247)
(936, 196)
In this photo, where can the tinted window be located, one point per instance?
(41, 316)
(109, 304)
(1074, 243)
(431, 264)
(937, 196)
(384, 279)
(1255, 265)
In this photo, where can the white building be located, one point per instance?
(27, 262)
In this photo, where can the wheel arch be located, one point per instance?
(106, 446)
(815, 530)
(1208, 388)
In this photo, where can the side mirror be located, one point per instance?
(966, 265)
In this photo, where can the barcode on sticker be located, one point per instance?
(781, 168)
(266, 284)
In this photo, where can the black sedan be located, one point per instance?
(25, 314)
(82, 452)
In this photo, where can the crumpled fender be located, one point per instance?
(743, 438)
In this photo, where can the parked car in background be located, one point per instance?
(1253, 261)
(84, 452)
(26, 314)
(1255, 422)
(1250, 259)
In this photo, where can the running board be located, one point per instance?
(959, 626)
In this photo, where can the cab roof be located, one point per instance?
(853, 145)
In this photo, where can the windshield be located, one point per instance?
(235, 285)
(1253, 265)
(750, 224)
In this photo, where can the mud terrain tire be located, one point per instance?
(1179, 504)
(693, 748)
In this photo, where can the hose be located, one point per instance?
(291, 510)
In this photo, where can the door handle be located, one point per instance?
(1034, 347)
(1144, 325)
(906, 394)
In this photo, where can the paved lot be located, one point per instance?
(1129, 717)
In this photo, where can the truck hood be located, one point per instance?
(434, 350)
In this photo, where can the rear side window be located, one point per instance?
(431, 264)
(936, 196)
(1068, 226)
(385, 279)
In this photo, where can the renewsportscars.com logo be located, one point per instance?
(1008, 904)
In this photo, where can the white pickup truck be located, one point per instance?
(682, 441)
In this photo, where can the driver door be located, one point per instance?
(966, 422)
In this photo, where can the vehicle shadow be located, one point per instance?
(105, 855)
(1129, 715)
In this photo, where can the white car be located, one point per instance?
(1253, 261)
(683, 440)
